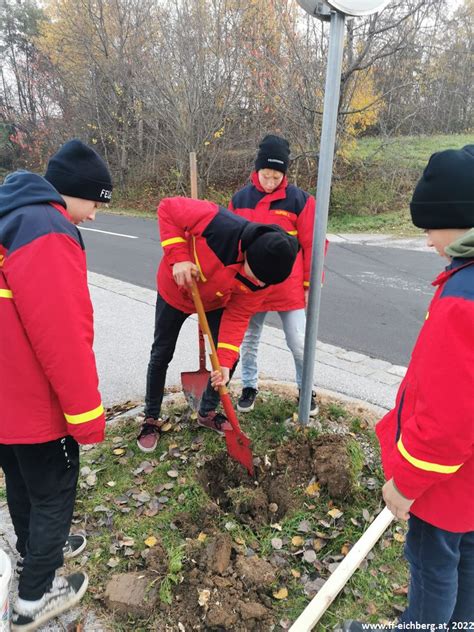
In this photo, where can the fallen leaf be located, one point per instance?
(151, 541)
(319, 544)
(119, 451)
(202, 536)
(91, 480)
(345, 549)
(166, 427)
(203, 597)
(240, 541)
(335, 513)
(113, 562)
(277, 526)
(297, 540)
(399, 537)
(172, 473)
(309, 556)
(281, 594)
(111, 483)
(277, 543)
(313, 489)
(371, 608)
(304, 526)
(273, 507)
(401, 590)
(295, 573)
(366, 515)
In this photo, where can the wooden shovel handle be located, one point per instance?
(206, 331)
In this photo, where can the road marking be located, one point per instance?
(107, 232)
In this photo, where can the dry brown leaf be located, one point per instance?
(399, 537)
(166, 427)
(202, 536)
(296, 574)
(297, 540)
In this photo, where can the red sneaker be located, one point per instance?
(149, 435)
(213, 421)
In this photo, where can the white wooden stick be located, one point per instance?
(337, 580)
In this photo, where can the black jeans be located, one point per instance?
(41, 482)
(168, 323)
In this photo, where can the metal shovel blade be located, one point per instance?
(194, 382)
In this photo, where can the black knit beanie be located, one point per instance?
(273, 153)
(270, 251)
(78, 170)
(444, 195)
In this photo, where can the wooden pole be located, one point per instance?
(193, 175)
(338, 579)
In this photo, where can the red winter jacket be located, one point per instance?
(212, 238)
(427, 440)
(293, 210)
(48, 377)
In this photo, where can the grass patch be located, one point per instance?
(137, 507)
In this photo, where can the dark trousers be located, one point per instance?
(168, 323)
(442, 577)
(41, 482)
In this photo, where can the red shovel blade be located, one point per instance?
(239, 448)
(194, 384)
(238, 444)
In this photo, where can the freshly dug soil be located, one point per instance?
(269, 496)
(229, 587)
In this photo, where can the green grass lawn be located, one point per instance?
(117, 507)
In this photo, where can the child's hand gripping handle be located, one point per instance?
(223, 392)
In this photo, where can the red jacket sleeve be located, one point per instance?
(438, 436)
(235, 319)
(48, 279)
(178, 217)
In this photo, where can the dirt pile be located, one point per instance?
(269, 496)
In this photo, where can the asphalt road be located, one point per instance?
(374, 298)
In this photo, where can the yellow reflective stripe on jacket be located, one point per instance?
(306, 283)
(196, 260)
(6, 294)
(224, 345)
(82, 418)
(426, 465)
(292, 232)
(173, 240)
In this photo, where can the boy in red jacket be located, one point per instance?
(427, 440)
(49, 397)
(270, 199)
(233, 261)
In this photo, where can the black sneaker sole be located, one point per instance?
(55, 612)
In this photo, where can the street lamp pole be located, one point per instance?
(325, 164)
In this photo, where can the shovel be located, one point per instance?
(194, 382)
(238, 444)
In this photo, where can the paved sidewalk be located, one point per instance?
(386, 241)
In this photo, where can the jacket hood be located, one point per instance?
(462, 247)
(24, 188)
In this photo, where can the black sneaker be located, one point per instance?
(246, 401)
(213, 421)
(75, 544)
(313, 407)
(64, 593)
